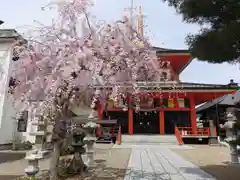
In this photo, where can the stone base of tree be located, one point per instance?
(71, 165)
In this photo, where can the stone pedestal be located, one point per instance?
(78, 155)
(234, 153)
(90, 151)
(33, 158)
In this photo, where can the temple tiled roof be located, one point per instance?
(227, 100)
(9, 33)
(182, 85)
(188, 85)
(165, 50)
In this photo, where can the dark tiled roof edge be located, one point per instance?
(9, 33)
(165, 50)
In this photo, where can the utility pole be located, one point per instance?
(140, 21)
(130, 10)
(139, 17)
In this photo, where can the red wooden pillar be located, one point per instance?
(161, 122)
(130, 117)
(100, 117)
(193, 115)
(99, 111)
(130, 122)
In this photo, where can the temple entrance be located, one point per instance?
(120, 116)
(146, 122)
(176, 118)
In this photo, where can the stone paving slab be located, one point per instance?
(162, 164)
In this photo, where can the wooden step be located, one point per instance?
(104, 141)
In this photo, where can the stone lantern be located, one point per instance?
(89, 140)
(78, 145)
(232, 133)
(33, 158)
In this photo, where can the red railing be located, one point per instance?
(180, 132)
(188, 131)
(178, 136)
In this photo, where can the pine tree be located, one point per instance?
(219, 39)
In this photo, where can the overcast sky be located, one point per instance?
(163, 26)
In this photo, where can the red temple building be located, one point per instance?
(168, 103)
(173, 105)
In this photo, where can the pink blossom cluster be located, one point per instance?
(64, 61)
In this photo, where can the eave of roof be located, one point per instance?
(9, 34)
(174, 52)
(151, 86)
(165, 50)
(227, 99)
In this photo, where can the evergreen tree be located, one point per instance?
(219, 40)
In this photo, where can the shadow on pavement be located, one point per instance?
(103, 172)
(11, 156)
(220, 172)
(8, 177)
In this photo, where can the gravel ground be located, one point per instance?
(111, 164)
(213, 160)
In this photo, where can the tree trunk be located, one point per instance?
(55, 160)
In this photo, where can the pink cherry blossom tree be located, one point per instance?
(66, 64)
(74, 53)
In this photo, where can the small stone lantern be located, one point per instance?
(232, 133)
(89, 140)
(33, 158)
(77, 143)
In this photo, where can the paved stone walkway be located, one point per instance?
(162, 164)
(152, 146)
